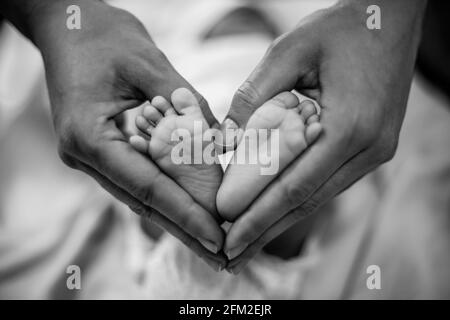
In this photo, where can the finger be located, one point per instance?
(163, 105)
(150, 113)
(164, 82)
(281, 69)
(312, 132)
(139, 143)
(313, 119)
(135, 173)
(143, 125)
(346, 176)
(292, 187)
(308, 109)
(215, 261)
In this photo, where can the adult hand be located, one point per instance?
(361, 79)
(95, 74)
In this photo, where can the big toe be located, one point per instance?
(285, 99)
(184, 101)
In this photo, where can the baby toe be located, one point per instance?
(286, 100)
(152, 114)
(139, 143)
(143, 125)
(185, 102)
(163, 106)
(313, 132)
(314, 118)
(307, 109)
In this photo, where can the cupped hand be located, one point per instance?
(360, 78)
(95, 74)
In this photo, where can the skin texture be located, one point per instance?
(158, 122)
(360, 78)
(293, 123)
(94, 75)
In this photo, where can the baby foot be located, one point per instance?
(159, 121)
(296, 126)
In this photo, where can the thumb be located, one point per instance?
(282, 68)
(161, 79)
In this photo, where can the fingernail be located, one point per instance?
(230, 270)
(236, 270)
(209, 245)
(229, 128)
(216, 266)
(230, 137)
(233, 253)
(229, 124)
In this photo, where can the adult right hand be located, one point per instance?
(361, 78)
(95, 74)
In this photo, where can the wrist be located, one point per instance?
(395, 13)
(406, 6)
(35, 18)
(401, 20)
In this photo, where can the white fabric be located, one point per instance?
(51, 216)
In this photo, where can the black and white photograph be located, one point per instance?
(224, 150)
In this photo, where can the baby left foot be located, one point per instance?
(277, 133)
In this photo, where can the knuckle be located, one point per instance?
(345, 136)
(186, 220)
(360, 135)
(201, 100)
(366, 136)
(91, 150)
(188, 242)
(73, 140)
(159, 54)
(147, 193)
(257, 228)
(66, 142)
(384, 152)
(66, 158)
(139, 211)
(358, 131)
(279, 45)
(153, 62)
(294, 193)
(66, 137)
(259, 244)
(306, 209)
(247, 96)
(273, 47)
(146, 213)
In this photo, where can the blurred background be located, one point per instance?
(51, 217)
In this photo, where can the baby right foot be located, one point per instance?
(158, 122)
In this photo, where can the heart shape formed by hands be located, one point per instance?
(371, 90)
(179, 140)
